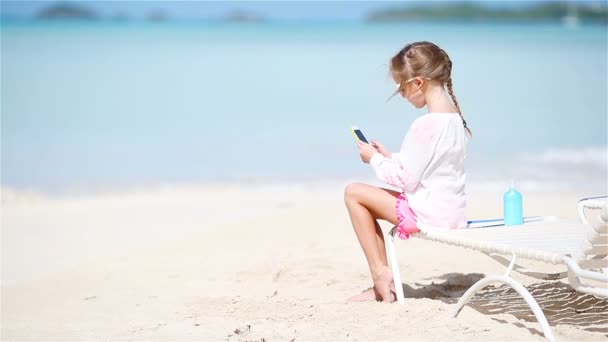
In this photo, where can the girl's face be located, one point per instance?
(413, 91)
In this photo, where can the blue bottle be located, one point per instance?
(512, 205)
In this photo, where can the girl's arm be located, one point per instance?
(405, 168)
(388, 170)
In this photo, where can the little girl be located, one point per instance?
(429, 168)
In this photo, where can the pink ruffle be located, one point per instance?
(407, 218)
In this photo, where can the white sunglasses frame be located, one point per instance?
(399, 85)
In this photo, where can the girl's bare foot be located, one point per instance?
(364, 296)
(370, 294)
(382, 284)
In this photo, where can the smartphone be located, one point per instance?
(358, 134)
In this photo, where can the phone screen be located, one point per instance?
(360, 135)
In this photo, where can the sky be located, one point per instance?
(285, 9)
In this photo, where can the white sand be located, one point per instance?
(226, 262)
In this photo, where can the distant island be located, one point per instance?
(569, 12)
(71, 11)
(67, 11)
(242, 16)
(549, 11)
(157, 15)
(75, 11)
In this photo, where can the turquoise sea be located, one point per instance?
(97, 105)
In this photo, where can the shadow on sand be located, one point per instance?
(560, 303)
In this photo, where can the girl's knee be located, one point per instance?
(353, 191)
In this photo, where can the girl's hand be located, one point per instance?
(381, 149)
(366, 151)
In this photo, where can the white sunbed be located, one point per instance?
(580, 246)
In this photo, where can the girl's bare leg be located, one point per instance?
(365, 204)
(370, 293)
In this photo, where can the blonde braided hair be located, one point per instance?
(448, 83)
(425, 59)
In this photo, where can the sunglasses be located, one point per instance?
(400, 86)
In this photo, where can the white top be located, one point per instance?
(429, 168)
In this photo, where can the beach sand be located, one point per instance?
(268, 262)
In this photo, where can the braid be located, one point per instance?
(451, 92)
(448, 65)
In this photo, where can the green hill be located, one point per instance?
(550, 11)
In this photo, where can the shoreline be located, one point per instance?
(10, 194)
(87, 225)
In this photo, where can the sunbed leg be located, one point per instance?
(392, 259)
(540, 316)
(511, 264)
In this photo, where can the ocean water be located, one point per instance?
(89, 106)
